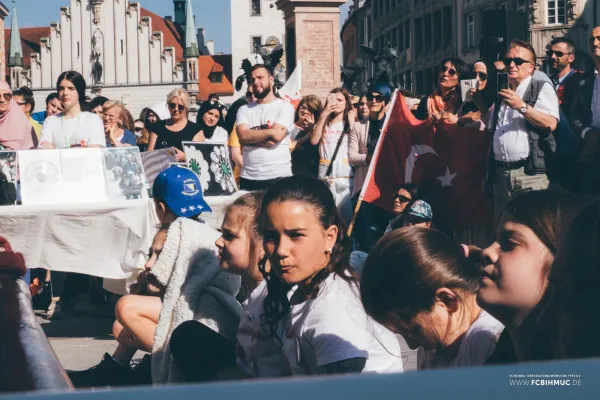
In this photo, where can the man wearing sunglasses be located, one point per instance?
(522, 121)
(585, 120)
(263, 128)
(561, 54)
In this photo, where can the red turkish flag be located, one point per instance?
(448, 163)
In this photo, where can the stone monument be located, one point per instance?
(313, 37)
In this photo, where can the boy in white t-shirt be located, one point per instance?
(264, 130)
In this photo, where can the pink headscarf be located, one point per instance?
(15, 129)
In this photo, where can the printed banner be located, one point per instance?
(210, 161)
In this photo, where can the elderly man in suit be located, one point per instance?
(585, 120)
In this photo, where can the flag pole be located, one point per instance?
(372, 165)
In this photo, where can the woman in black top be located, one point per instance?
(177, 129)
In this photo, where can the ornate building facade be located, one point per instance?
(124, 51)
(255, 22)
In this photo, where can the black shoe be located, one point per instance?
(141, 374)
(107, 373)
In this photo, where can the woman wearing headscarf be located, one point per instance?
(16, 132)
(210, 119)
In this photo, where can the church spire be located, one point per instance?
(15, 58)
(191, 41)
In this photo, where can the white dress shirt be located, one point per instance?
(595, 105)
(511, 140)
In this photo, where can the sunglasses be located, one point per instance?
(482, 75)
(403, 199)
(7, 96)
(21, 104)
(174, 106)
(249, 94)
(517, 60)
(378, 98)
(450, 71)
(138, 129)
(558, 53)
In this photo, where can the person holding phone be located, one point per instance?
(521, 121)
(479, 98)
(172, 131)
(445, 101)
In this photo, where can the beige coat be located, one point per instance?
(357, 153)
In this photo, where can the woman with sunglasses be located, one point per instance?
(479, 99)
(210, 119)
(141, 134)
(16, 132)
(444, 102)
(404, 197)
(177, 129)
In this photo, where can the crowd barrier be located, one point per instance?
(550, 380)
(27, 361)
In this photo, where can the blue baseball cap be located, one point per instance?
(421, 209)
(180, 188)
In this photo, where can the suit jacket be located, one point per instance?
(357, 153)
(581, 110)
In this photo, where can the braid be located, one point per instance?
(276, 305)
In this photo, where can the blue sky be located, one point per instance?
(212, 15)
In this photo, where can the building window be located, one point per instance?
(122, 47)
(470, 30)
(427, 33)
(78, 51)
(418, 39)
(255, 8)
(215, 77)
(556, 11)
(400, 37)
(256, 42)
(521, 5)
(407, 35)
(447, 29)
(502, 6)
(437, 30)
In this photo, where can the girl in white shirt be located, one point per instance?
(72, 128)
(306, 317)
(331, 133)
(422, 285)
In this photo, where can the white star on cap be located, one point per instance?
(192, 208)
(200, 207)
(183, 210)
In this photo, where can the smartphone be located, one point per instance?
(502, 81)
(465, 86)
(332, 99)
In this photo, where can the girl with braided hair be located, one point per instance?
(306, 317)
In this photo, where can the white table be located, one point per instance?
(109, 240)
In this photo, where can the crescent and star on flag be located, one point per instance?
(419, 150)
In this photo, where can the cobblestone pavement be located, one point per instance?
(80, 342)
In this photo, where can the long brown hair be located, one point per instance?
(314, 105)
(405, 269)
(346, 110)
(317, 195)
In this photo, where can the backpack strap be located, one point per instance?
(336, 151)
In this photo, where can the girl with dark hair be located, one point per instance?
(444, 102)
(73, 127)
(404, 197)
(210, 119)
(517, 266)
(569, 317)
(306, 317)
(429, 297)
(331, 134)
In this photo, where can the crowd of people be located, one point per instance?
(280, 289)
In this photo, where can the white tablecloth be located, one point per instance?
(109, 240)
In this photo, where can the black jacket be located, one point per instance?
(581, 110)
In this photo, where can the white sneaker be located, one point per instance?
(54, 309)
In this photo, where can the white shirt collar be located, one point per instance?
(522, 86)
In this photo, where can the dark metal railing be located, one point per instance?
(27, 361)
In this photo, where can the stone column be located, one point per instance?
(313, 37)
